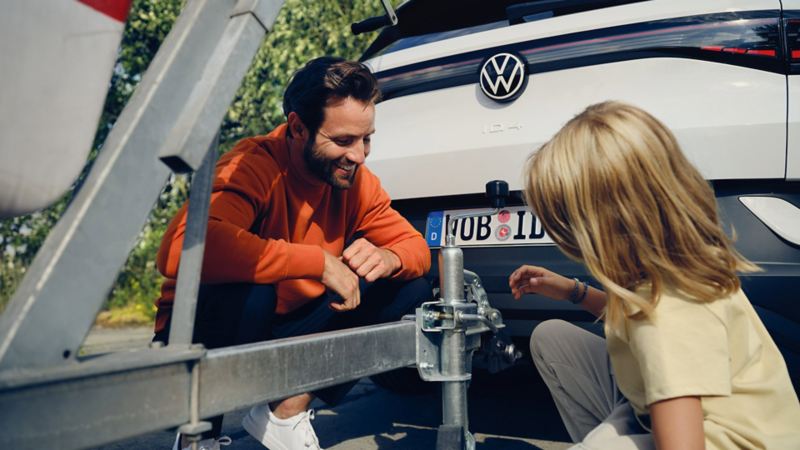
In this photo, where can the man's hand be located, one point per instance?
(370, 262)
(337, 277)
(538, 280)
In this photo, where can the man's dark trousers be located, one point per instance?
(233, 314)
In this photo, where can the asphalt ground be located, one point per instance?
(511, 410)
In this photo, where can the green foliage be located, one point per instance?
(303, 30)
(20, 238)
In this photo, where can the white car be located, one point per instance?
(471, 88)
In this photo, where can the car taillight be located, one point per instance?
(793, 39)
(740, 51)
(752, 41)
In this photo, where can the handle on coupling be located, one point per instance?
(479, 318)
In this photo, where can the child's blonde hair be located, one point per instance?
(614, 190)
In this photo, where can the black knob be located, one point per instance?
(497, 191)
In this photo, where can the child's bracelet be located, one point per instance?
(574, 297)
(585, 291)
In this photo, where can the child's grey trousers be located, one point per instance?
(574, 365)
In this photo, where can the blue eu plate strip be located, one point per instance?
(434, 228)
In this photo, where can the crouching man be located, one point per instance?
(301, 239)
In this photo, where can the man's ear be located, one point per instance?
(297, 127)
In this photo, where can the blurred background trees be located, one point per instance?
(303, 30)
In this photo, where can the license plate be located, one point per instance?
(514, 225)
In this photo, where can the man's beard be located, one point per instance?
(325, 168)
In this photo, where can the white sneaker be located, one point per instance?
(294, 433)
(205, 444)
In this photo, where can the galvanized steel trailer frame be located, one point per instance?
(116, 396)
(51, 397)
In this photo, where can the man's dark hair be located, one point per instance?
(322, 80)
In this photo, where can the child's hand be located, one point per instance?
(538, 280)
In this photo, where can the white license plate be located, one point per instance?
(514, 225)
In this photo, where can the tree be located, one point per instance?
(303, 30)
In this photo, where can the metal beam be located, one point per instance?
(113, 397)
(302, 364)
(194, 244)
(95, 402)
(65, 286)
(222, 74)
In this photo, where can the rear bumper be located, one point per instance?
(775, 292)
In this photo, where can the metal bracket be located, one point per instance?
(433, 318)
(193, 431)
(477, 294)
(438, 316)
(475, 316)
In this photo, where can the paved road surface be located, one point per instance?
(508, 411)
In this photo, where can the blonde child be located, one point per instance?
(686, 363)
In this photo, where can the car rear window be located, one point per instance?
(425, 21)
(415, 41)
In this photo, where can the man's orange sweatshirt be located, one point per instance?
(269, 222)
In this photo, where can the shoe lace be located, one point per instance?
(311, 440)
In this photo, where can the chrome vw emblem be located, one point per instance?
(503, 77)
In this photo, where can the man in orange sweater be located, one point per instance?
(301, 239)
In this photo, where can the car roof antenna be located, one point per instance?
(374, 23)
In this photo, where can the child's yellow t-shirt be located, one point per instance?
(719, 351)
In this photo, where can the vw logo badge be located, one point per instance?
(503, 77)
